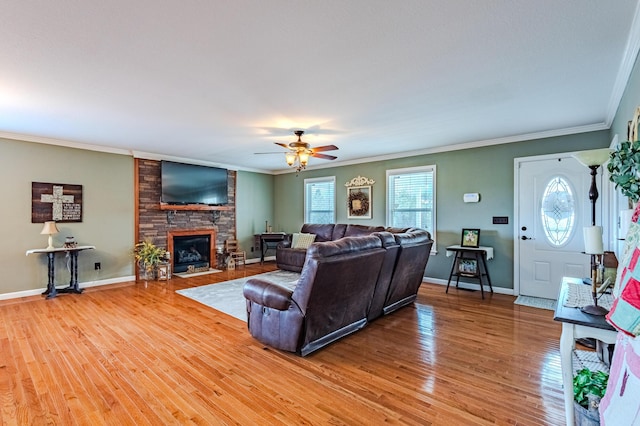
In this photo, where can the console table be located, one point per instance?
(480, 255)
(576, 325)
(72, 252)
(269, 241)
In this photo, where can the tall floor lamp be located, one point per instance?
(593, 234)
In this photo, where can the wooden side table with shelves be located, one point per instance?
(467, 256)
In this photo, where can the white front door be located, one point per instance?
(553, 208)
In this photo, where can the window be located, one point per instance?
(320, 200)
(411, 198)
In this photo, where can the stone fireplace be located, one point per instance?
(192, 250)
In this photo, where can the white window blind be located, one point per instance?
(411, 198)
(320, 200)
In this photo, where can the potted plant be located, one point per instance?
(624, 169)
(148, 255)
(588, 389)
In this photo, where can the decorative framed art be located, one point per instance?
(58, 202)
(470, 238)
(359, 196)
(359, 202)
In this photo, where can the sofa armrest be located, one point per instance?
(267, 294)
(284, 244)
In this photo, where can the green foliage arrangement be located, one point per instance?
(624, 169)
(148, 255)
(587, 382)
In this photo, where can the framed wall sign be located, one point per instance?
(59, 202)
(470, 238)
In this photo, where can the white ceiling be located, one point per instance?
(216, 81)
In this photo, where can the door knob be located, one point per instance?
(524, 228)
(524, 237)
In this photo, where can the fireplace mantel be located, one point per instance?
(189, 232)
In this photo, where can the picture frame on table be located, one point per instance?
(470, 238)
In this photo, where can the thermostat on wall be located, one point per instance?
(472, 197)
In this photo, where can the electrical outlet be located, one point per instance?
(97, 266)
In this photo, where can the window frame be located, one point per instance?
(407, 171)
(311, 181)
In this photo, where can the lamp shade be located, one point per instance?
(290, 157)
(593, 240)
(304, 158)
(49, 228)
(592, 157)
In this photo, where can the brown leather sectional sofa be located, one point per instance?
(344, 284)
(291, 259)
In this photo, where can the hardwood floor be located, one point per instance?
(138, 353)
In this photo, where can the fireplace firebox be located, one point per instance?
(192, 250)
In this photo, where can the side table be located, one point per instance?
(480, 255)
(269, 241)
(72, 252)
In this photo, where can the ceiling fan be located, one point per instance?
(299, 152)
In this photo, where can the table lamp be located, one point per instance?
(49, 228)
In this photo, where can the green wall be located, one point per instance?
(107, 217)
(487, 170)
(254, 206)
(628, 104)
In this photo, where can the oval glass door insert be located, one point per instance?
(558, 211)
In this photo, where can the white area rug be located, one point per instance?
(227, 296)
(195, 274)
(536, 302)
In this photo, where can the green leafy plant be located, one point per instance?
(148, 255)
(587, 382)
(624, 169)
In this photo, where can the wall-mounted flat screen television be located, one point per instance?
(193, 184)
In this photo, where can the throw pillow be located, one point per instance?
(302, 241)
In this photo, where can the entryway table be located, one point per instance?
(72, 252)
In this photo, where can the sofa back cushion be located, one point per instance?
(415, 248)
(322, 231)
(337, 283)
(355, 230)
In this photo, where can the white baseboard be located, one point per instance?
(468, 286)
(39, 291)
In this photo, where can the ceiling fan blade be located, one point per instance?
(324, 156)
(282, 145)
(324, 148)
